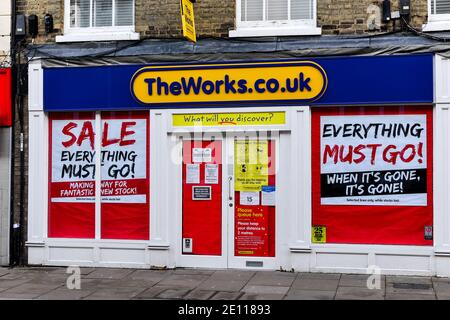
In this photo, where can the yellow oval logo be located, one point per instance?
(301, 81)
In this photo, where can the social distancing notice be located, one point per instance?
(229, 119)
(251, 165)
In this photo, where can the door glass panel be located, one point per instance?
(254, 185)
(202, 198)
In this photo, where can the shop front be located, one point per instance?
(324, 165)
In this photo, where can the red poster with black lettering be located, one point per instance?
(125, 169)
(202, 197)
(372, 177)
(71, 207)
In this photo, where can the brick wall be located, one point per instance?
(351, 17)
(161, 18)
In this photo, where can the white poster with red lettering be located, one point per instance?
(373, 160)
(123, 161)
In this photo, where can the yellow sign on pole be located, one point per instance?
(187, 20)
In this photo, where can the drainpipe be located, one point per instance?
(13, 259)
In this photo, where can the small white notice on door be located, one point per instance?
(211, 173)
(192, 173)
(268, 195)
(201, 155)
(249, 198)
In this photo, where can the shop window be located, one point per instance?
(71, 203)
(98, 20)
(275, 18)
(438, 15)
(372, 175)
(124, 174)
(123, 148)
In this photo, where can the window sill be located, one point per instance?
(113, 36)
(436, 26)
(270, 32)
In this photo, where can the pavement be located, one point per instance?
(50, 283)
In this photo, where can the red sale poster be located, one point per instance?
(372, 174)
(124, 151)
(125, 176)
(71, 204)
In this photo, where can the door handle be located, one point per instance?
(230, 197)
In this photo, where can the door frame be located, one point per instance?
(226, 260)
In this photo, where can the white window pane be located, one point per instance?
(80, 13)
(124, 12)
(102, 13)
(252, 10)
(301, 9)
(442, 6)
(277, 10)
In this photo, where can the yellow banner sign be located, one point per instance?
(188, 20)
(251, 165)
(279, 82)
(229, 119)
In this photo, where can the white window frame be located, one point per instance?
(275, 27)
(436, 22)
(77, 34)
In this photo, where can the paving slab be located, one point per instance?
(358, 280)
(3, 271)
(193, 272)
(407, 279)
(108, 273)
(261, 296)
(315, 284)
(128, 282)
(65, 294)
(408, 288)
(6, 284)
(358, 293)
(232, 275)
(173, 294)
(154, 275)
(442, 287)
(151, 293)
(27, 291)
(295, 294)
(83, 270)
(222, 285)
(441, 296)
(183, 280)
(402, 296)
(265, 289)
(272, 279)
(198, 294)
(222, 295)
(115, 293)
(95, 284)
(317, 275)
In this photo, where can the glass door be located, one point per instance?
(251, 163)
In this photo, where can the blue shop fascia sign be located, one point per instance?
(331, 81)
